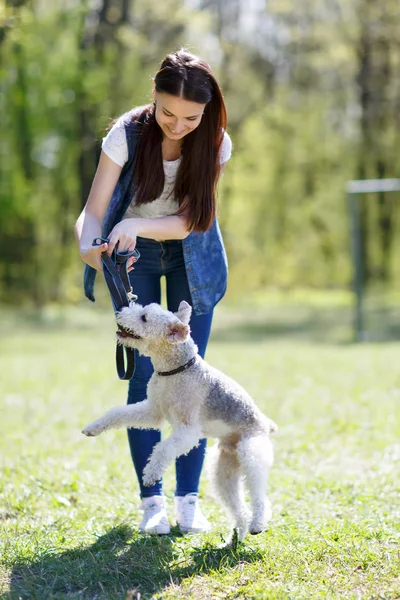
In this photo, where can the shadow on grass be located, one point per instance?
(320, 325)
(120, 565)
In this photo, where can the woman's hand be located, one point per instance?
(92, 256)
(124, 234)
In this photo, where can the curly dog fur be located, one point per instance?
(198, 402)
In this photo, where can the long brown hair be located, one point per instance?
(187, 76)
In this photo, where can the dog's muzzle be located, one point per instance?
(126, 333)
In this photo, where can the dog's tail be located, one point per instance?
(273, 427)
(270, 425)
(222, 465)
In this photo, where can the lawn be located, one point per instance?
(69, 505)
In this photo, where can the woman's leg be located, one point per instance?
(189, 466)
(145, 281)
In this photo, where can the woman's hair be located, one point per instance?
(187, 76)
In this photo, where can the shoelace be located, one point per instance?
(156, 512)
(152, 508)
(191, 511)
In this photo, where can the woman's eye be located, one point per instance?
(144, 318)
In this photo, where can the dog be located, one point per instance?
(198, 401)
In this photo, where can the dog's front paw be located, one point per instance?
(150, 477)
(93, 429)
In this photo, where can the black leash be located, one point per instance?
(115, 271)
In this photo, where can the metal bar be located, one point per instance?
(358, 279)
(366, 186)
(354, 188)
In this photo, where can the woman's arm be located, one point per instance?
(173, 227)
(88, 225)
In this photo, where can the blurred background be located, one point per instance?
(313, 96)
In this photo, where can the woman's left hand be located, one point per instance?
(124, 234)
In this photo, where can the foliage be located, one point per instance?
(312, 101)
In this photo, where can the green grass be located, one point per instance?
(69, 505)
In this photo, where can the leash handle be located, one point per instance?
(125, 373)
(117, 268)
(115, 271)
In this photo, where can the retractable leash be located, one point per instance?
(115, 271)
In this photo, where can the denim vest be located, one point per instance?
(204, 253)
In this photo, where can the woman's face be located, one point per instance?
(177, 117)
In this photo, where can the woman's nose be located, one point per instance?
(178, 126)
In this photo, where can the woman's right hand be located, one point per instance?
(92, 256)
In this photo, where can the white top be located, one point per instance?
(116, 148)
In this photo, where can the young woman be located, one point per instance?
(154, 189)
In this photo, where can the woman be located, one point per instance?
(154, 189)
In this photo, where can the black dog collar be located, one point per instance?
(179, 369)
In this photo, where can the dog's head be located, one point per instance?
(142, 327)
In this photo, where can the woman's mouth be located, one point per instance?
(175, 132)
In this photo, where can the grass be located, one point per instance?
(69, 506)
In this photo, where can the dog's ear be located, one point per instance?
(184, 312)
(178, 333)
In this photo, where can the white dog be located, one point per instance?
(198, 401)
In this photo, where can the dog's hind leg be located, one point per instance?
(227, 482)
(255, 455)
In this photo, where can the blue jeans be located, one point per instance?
(157, 259)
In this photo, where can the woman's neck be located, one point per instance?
(170, 150)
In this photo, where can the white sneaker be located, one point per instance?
(189, 516)
(155, 520)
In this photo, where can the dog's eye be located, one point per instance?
(144, 318)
